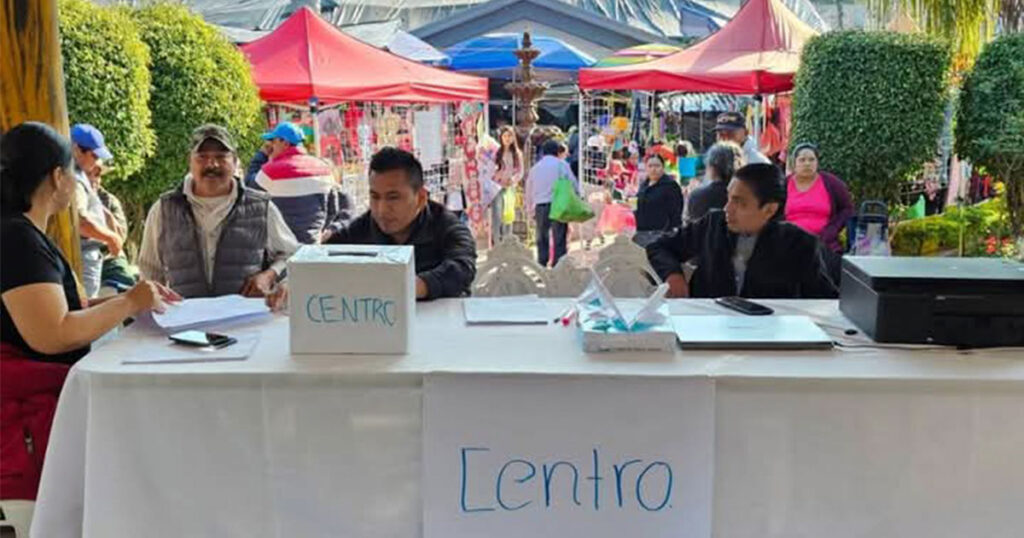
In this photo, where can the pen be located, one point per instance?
(564, 313)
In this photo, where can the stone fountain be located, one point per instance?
(526, 93)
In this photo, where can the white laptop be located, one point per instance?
(749, 332)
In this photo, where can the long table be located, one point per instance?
(857, 441)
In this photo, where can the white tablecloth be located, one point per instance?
(857, 441)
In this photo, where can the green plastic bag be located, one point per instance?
(508, 206)
(566, 205)
(917, 210)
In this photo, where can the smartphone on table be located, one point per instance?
(202, 339)
(744, 306)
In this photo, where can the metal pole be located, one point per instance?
(316, 126)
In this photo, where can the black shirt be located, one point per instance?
(444, 248)
(786, 263)
(714, 195)
(659, 206)
(29, 257)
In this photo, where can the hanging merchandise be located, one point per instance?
(455, 198)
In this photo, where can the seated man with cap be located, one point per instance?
(89, 151)
(732, 127)
(212, 235)
(302, 186)
(401, 213)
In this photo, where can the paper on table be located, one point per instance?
(196, 313)
(167, 352)
(515, 310)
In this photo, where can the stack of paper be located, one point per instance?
(204, 312)
(516, 310)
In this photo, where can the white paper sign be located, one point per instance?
(513, 456)
(428, 136)
(351, 299)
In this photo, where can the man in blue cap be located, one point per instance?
(302, 186)
(89, 151)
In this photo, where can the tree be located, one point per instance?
(967, 24)
(990, 119)
(198, 77)
(106, 79)
(873, 102)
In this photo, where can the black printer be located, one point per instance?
(970, 302)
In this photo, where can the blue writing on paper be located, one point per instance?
(668, 486)
(515, 487)
(618, 478)
(550, 471)
(323, 308)
(465, 508)
(501, 474)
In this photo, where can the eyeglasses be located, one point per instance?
(218, 157)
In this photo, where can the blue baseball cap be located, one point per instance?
(287, 131)
(88, 137)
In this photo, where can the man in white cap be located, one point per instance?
(89, 150)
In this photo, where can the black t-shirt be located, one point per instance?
(27, 256)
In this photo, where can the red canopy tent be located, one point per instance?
(757, 52)
(308, 58)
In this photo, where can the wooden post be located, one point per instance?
(32, 89)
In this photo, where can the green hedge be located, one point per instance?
(106, 81)
(990, 118)
(198, 77)
(873, 102)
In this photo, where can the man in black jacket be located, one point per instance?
(745, 250)
(402, 214)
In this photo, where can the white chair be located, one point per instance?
(510, 270)
(624, 268)
(15, 516)
(567, 279)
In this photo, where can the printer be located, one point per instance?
(968, 302)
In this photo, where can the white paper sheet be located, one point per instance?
(203, 312)
(515, 310)
(428, 136)
(509, 456)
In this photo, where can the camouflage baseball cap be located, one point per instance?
(212, 132)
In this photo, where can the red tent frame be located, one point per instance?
(757, 52)
(308, 60)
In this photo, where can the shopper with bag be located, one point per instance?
(510, 170)
(551, 189)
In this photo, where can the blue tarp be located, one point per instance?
(493, 54)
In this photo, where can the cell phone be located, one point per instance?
(744, 306)
(202, 339)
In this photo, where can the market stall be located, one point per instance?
(756, 54)
(354, 99)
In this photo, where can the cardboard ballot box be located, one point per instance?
(351, 299)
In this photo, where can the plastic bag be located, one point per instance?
(508, 209)
(566, 205)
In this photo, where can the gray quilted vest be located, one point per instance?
(241, 249)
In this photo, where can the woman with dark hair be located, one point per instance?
(817, 201)
(509, 159)
(43, 316)
(659, 204)
(722, 160)
(744, 250)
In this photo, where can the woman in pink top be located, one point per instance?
(816, 201)
(510, 171)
